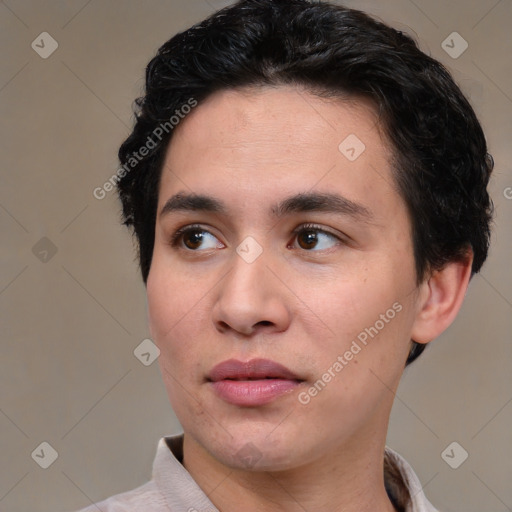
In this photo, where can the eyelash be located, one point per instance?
(197, 227)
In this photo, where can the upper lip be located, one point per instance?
(250, 370)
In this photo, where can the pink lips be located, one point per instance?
(252, 383)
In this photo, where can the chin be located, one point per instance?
(257, 451)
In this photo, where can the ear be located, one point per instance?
(440, 299)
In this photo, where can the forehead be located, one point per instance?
(281, 118)
(255, 144)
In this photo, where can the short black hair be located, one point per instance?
(440, 161)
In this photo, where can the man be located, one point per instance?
(308, 191)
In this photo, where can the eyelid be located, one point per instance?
(315, 227)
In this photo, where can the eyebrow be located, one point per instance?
(302, 202)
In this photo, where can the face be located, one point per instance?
(284, 311)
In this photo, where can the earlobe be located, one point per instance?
(440, 299)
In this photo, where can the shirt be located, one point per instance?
(172, 488)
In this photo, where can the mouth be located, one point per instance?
(252, 383)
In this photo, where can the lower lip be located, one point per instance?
(253, 392)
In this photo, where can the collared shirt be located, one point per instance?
(172, 488)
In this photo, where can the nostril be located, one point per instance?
(223, 326)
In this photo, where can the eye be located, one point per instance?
(310, 236)
(191, 238)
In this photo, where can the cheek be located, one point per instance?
(173, 308)
(175, 317)
(361, 363)
(369, 319)
(171, 297)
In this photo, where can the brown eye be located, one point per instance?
(193, 238)
(309, 239)
(313, 237)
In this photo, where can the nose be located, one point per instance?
(251, 299)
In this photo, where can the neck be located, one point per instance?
(349, 478)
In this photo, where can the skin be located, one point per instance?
(301, 303)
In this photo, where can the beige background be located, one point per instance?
(68, 375)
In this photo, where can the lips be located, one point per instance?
(255, 369)
(252, 383)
